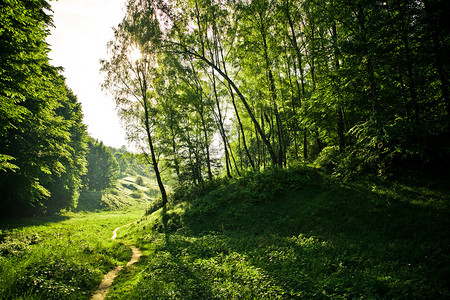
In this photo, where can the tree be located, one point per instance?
(42, 137)
(129, 74)
(369, 78)
(102, 167)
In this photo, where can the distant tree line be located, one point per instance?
(131, 164)
(46, 155)
(355, 86)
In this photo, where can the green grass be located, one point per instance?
(60, 257)
(295, 234)
(280, 234)
(125, 194)
(65, 256)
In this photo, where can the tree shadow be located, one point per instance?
(14, 223)
(340, 239)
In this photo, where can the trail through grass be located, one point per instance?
(281, 234)
(63, 257)
(108, 279)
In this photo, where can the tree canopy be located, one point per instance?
(223, 87)
(355, 86)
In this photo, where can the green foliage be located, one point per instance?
(253, 186)
(317, 238)
(368, 78)
(139, 180)
(155, 205)
(59, 257)
(102, 167)
(137, 194)
(41, 130)
(186, 191)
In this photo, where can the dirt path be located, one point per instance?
(108, 279)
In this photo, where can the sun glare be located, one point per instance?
(135, 54)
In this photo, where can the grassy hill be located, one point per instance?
(137, 191)
(294, 234)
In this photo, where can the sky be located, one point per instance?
(77, 43)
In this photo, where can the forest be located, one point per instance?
(46, 155)
(212, 88)
(224, 87)
(281, 149)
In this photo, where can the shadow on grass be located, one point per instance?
(324, 240)
(334, 240)
(8, 224)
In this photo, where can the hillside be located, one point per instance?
(294, 234)
(136, 191)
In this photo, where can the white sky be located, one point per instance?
(77, 43)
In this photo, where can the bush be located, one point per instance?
(140, 181)
(137, 194)
(186, 191)
(328, 158)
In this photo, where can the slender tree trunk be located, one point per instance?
(141, 74)
(412, 85)
(258, 163)
(240, 150)
(431, 10)
(369, 67)
(208, 158)
(294, 112)
(232, 157)
(200, 108)
(241, 96)
(263, 149)
(273, 92)
(241, 127)
(296, 48)
(340, 111)
(152, 152)
(174, 149)
(305, 148)
(220, 125)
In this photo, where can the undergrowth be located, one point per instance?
(294, 233)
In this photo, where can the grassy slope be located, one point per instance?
(296, 234)
(128, 192)
(66, 256)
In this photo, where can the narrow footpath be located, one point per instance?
(108, 279)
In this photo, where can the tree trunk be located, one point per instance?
(369, 67)
(174, 149)
(208, 159)
(221, 127)
(241, 96)
(241, 127)
(305, 145)
(340, 111)
(273, 93)
(432, 9)
(152, 152)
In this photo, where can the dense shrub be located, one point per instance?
(140, 181)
